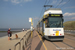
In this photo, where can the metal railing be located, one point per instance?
(23, 42)
(70, 30)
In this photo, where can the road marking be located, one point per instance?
(42, 42)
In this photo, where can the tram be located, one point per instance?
(50, 25)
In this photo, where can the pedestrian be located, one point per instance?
(23, 30)
(9, 33)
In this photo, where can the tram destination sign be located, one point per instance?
(55, 15)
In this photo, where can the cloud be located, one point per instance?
(15, 1)
(18, 1)
(69, 18)
(73, 18)
(27, 0)
(69, 14)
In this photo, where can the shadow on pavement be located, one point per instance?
(39, 46)
(55, 40)
(29, 44)
(35, 36)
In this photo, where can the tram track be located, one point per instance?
(68, 45)
(56, 46)
(65, 46)
(69, 42)
(62, 45)
(70, 38)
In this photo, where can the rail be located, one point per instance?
(22, 44)
(70, 30)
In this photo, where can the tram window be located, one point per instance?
(55, 21)
(46, 20)
(46, 23)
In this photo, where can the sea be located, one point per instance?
(3, 31)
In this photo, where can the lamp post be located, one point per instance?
(30, 20)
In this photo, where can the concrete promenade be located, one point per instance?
(35, 43)
(6, 45)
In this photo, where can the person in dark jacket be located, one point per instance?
(9, 33)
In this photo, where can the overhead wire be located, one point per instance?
(65, 3)
(59, 3)
(45, 2)
(48, 2)
(42, 9)
(41, 13)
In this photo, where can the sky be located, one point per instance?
(16, 13)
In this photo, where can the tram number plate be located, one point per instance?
(57, 33)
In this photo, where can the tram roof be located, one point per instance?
(53, 9)
(48, 10)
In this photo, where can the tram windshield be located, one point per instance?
(55, 22)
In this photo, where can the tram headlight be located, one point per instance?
(53, 34)
(60, 34)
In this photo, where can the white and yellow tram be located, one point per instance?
(51, 25)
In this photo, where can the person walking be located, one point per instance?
(9, 34)
(23, 29)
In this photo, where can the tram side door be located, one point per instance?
(44, 27)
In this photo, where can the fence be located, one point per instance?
(22, 44)
(70, 30)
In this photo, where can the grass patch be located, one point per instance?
(69, 25)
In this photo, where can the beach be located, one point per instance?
(6, 45)
(3, 31)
